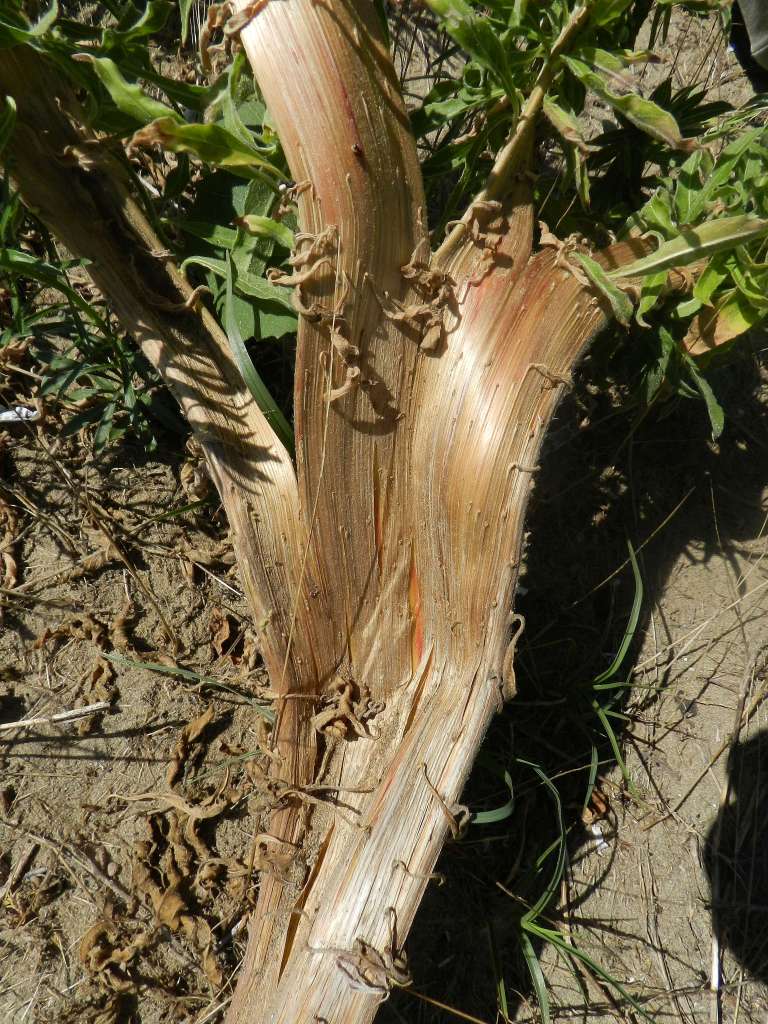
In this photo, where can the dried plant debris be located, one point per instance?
(101, 953)
(9, 570)
(189, 748)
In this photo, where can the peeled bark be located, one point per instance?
(384, 570)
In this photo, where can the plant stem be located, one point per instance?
(512, 156)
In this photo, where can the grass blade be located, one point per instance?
(255, 384)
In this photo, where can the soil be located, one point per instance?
(115, 908)
(93, 856)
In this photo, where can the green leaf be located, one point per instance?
(537, 976)
(104, 428)
(709, 281)
(655, 216)
(16, 31)
(603, 12)
(255, 384)
(151, 21)
(731, 316)
(500, 813)
(266, 227)
(634, 618)
(215, 234)
(82, 419)
(714, 409)
(565, 124)
(17, 262)
(688, 187)
(209, 142)
(644, 114)
(128, 97)
(476, 34)
(693, 244)
(185, 7)
(248, 284)
(7, 120)
(653, 286)
(619, 300)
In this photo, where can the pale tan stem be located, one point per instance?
(82, 194)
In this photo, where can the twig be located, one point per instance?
(62, 716)
(66, 851)
(509, 159)
(19, 868)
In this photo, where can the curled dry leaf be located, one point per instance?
(78, 627)
(100, 680)
(190, 734)
(197, 812)
(101, 956)
(117, 631)
(172, 910)
(223, 631)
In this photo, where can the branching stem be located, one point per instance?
(511, 158)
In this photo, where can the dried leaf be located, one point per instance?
(222, 631)
(188, 735)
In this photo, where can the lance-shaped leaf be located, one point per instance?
(254, 382)
(17, 262)
(209, 142)
(697, 243)
(13, 30)
(653, 287)
(266, 227)
(644, 114)
(248, 284)
(128, 97)
(619, 300)
(603, 12)
(565, 124)
(7, 120)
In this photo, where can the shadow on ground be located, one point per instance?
(603, 481)
(736, 858)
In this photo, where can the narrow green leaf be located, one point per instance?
(14, 31)
(18, 262)
(653, 287)
(7, 120)
(215, 234)
(209, 142)
(619, 300)
(714, 409)
(603, 12)
(104, 428)
(549, 892)
(185, 673)
(537, 976)
(185, 8)
(565, 124)
(266, 227)
(634, 616)
(128, 97)
(255, 384)
(644, 114)
(151, 20)
(567, 948)
(696, 243)
(248, 284)
(500, 813)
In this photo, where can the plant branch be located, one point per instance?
(80, 191)
(511, 160)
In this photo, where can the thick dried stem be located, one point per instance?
(82, 193)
